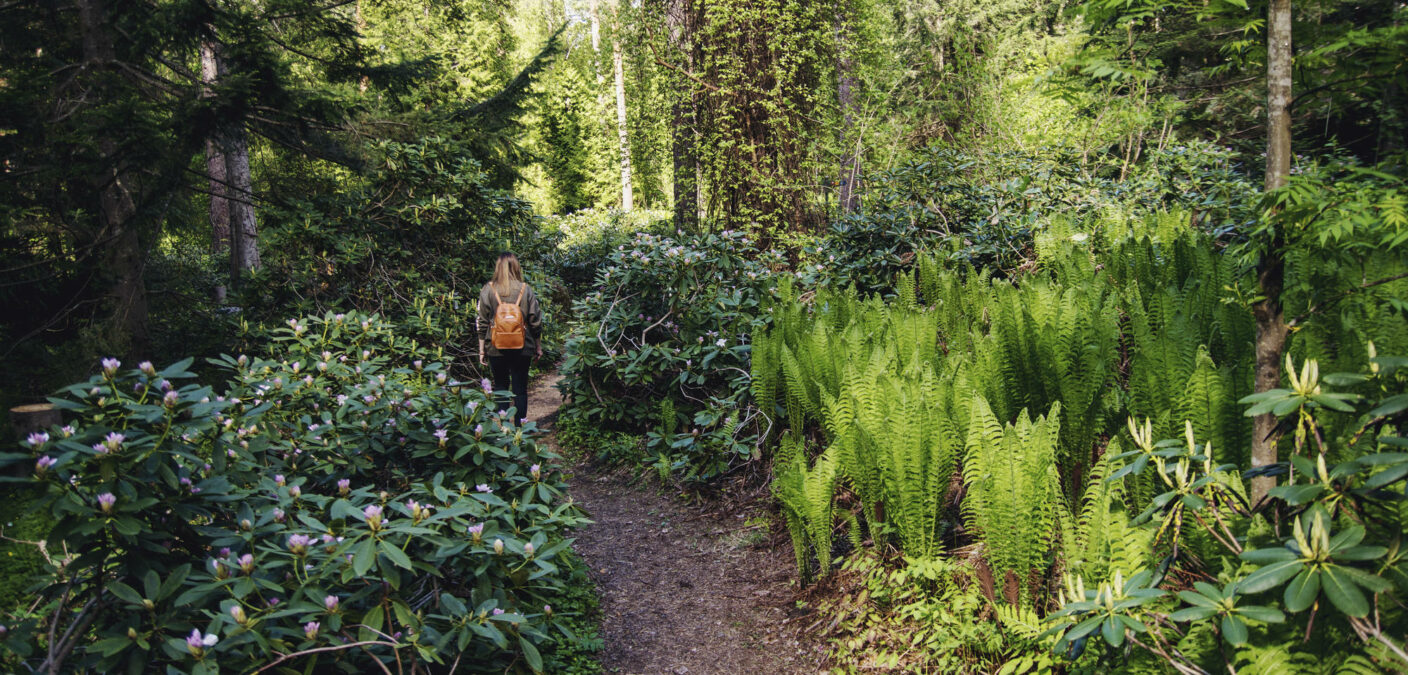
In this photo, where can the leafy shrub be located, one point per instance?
(1337, 558)
(671, 319)
(986, 210)
(578, 607)
(588, 237)
(576, 433)
(345, 505)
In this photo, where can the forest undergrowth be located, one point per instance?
(1039, 337)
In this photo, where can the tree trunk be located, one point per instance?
(1270, 322)
(232, 218)
(215, 158)
(122, 259)
(596, 49)
(845, 98)
(244, 230)
(627, 195)
(683, 142)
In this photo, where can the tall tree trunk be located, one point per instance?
(215, 158)
(627, 195)
(122, 259)
(362, 30)
(236, 187)
(244, 229)
(1270, 322)
(596, 49)
(683, 139)
(845, 98)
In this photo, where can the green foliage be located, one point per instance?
(670, 318)
(344, 489)
(578, 607)
(903, 390)
(413, 242)
(1347, 67)
(21, 558)
(565, 116)
(928, 615)
(886, 413)
(1001, 210)
(1014, 497)
(1338, 555)
(806, 494)
(1102, 538)
(587, 238)
(578, 434)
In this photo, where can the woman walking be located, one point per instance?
(509, 323)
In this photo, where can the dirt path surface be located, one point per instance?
(683, 590)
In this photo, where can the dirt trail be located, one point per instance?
(683, 590)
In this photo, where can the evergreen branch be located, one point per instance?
(505, 105)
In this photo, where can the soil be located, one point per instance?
(696, 589)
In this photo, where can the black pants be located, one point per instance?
(511, 374)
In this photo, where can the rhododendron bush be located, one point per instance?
(663, 341)
(339, 505)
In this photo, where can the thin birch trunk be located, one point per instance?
(627, 195)
(845, 98)
(1270, 322)
(596, 49)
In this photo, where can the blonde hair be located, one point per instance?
(506, 270)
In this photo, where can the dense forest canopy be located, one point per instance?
(946, 275)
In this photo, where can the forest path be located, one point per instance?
(684, 590)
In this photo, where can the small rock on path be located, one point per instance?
(682, 591)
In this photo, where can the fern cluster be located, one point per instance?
(937, 387)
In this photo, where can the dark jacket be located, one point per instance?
(532, 315)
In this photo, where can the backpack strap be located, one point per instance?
(522, 288)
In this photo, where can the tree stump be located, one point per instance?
(27, 419)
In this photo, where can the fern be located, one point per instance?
(806, 497)
(1205, 403)
(1274, 660)
(1020, 621)
(668, 419)
(1014, 495)
(1101, 539)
